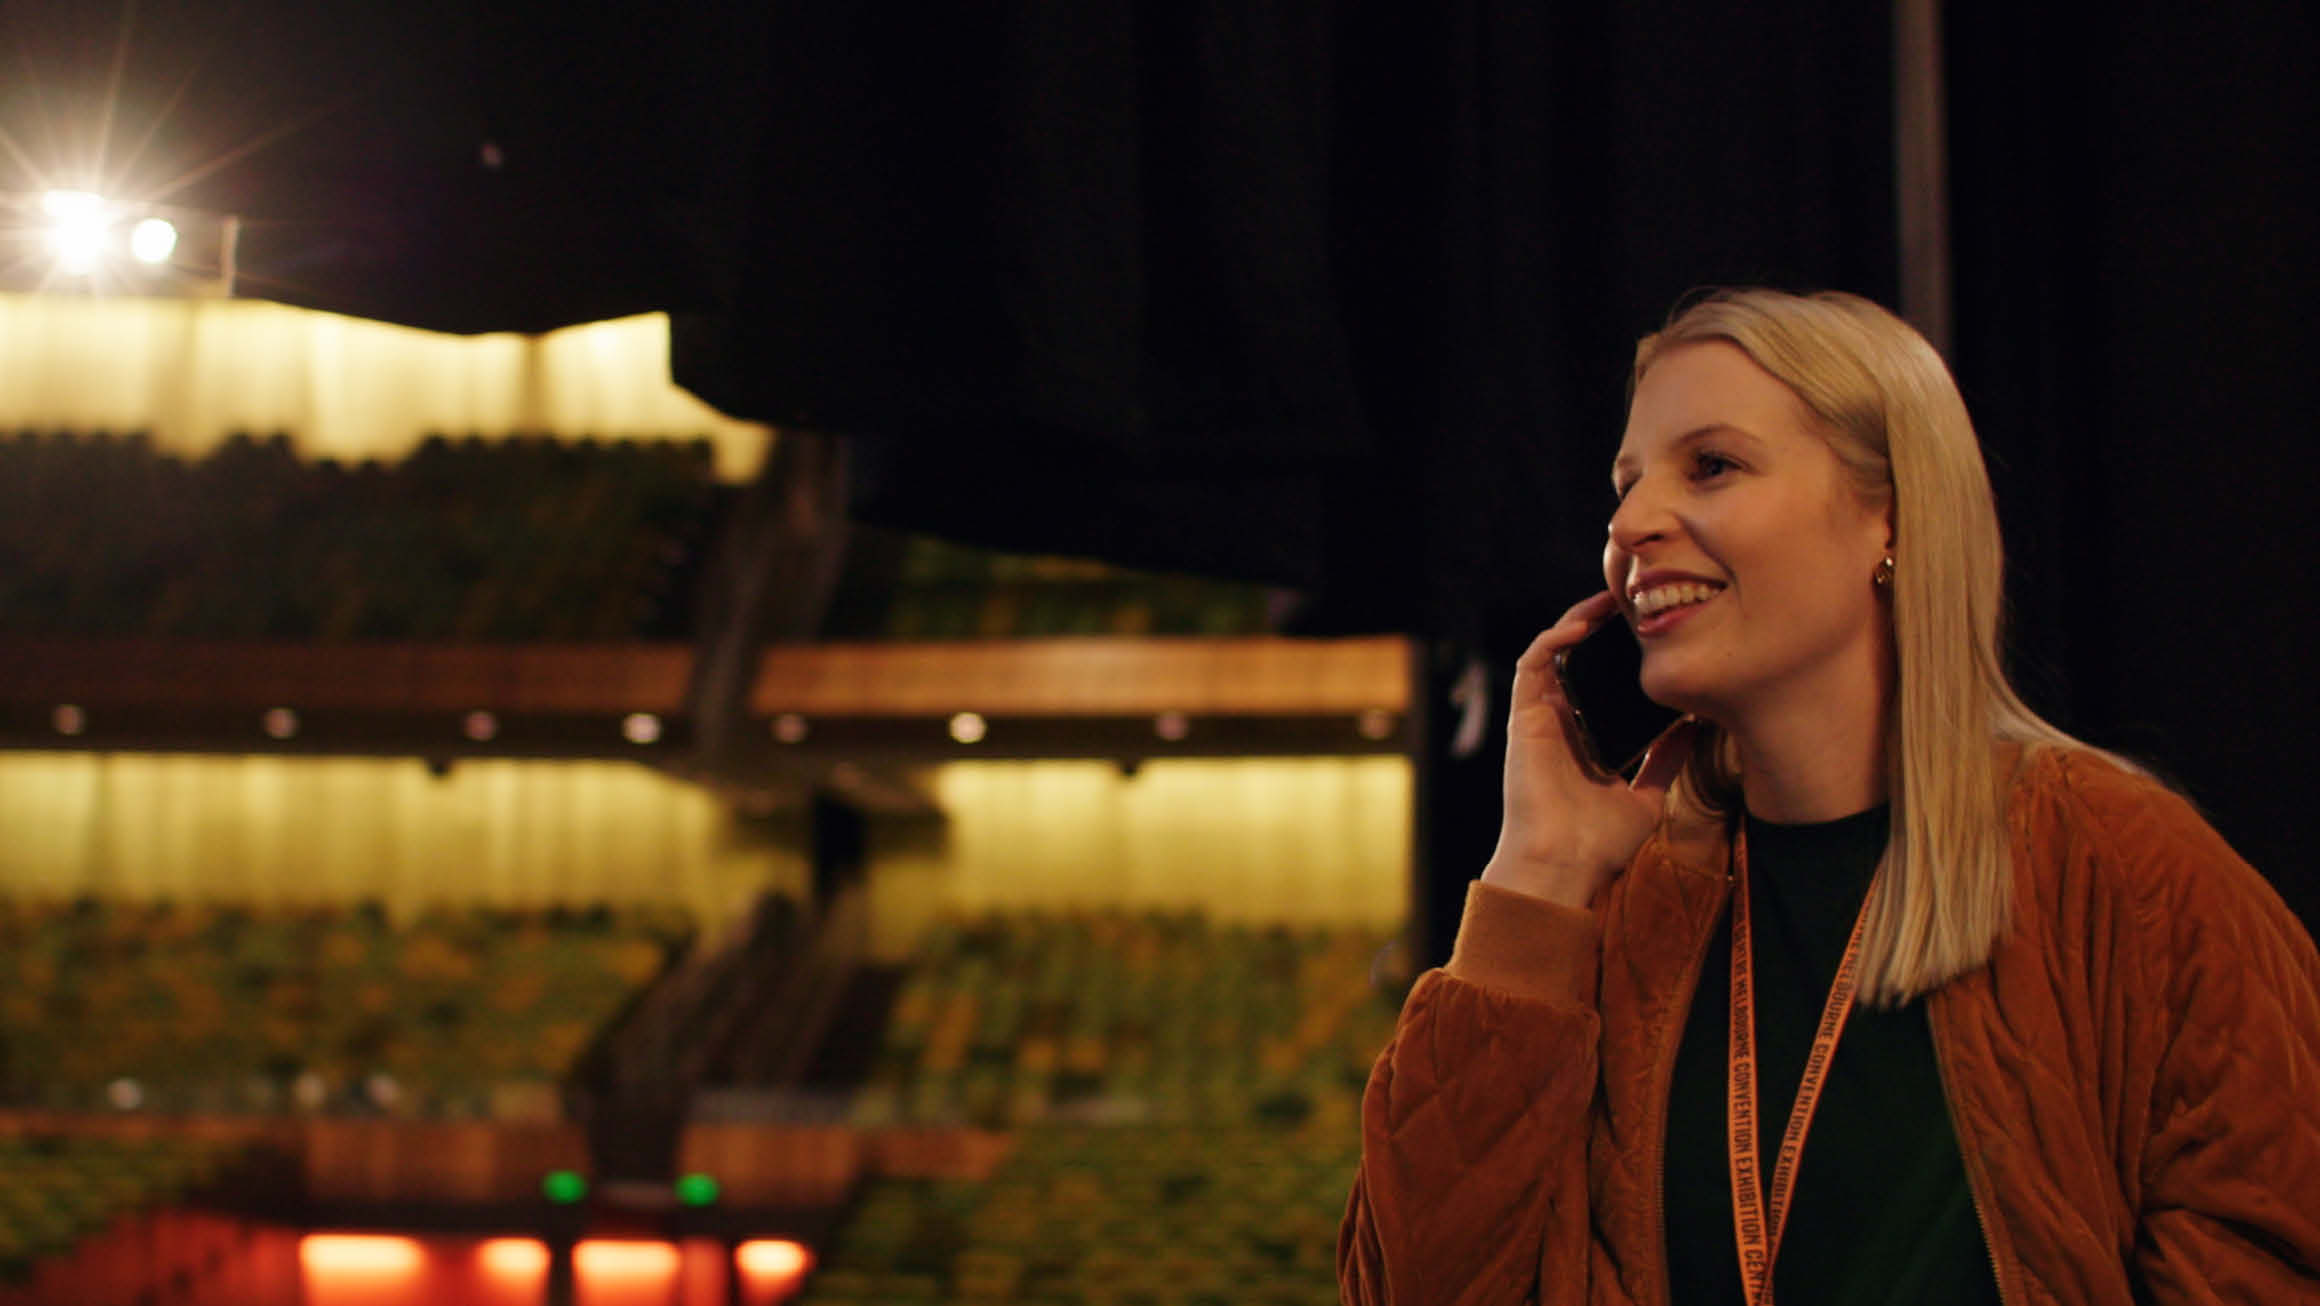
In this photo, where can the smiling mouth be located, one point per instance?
(1667, 598)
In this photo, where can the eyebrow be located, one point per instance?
(1625, 462)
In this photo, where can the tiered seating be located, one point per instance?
(1117, 1017)
(55, 1190)
(1090, 1216)
(922, 588)
(1185, 1097)
(208, 1008)
(515, 539)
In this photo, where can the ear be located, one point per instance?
(1876, 526)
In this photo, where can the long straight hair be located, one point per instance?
(1891, 413)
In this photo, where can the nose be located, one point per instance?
(1642, 517)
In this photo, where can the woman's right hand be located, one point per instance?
(1569, 825)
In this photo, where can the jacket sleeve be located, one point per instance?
(1474, 1124)
(2230, 1208)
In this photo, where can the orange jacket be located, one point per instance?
(2134, 1076)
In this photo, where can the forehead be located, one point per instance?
(1706, 385)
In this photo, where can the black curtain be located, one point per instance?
(1326, 296)
(2135, 274)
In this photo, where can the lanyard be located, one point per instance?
(1756, 1230)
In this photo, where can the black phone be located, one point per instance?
(1601, 677)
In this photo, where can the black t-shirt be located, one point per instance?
(1881, 1214)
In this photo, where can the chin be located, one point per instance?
(1675, 692)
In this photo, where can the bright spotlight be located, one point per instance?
(969, 728)
(153, 240)
(76, 232)
(72, 205)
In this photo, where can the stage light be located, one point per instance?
(68, 719)
(1172, 726)
(125, 1094)
(482, 727)
(641, 728)
(513, 1258)
(790, 728)
(357, 1254)
(600, 1258)
(153, 240)
(771, 1258)
(72, 205)
(76, 231)
(563, 1187)
(280, 723)
(697, 1190)
(968, 728)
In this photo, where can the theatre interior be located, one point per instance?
(804, 654)
(379, 929)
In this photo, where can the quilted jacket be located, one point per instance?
(2134, 1076)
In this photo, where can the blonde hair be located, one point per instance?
(1892, 415)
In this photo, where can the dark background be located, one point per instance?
(1326, 296)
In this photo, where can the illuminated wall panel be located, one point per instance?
(1318, 840)
(276, 830)
(193, 371)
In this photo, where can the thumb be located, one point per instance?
(1665, 759)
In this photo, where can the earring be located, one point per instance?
(1884, 575)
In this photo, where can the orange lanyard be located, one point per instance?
(1757, 1232)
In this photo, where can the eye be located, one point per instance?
(1707, 465)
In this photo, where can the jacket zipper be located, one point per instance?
(1970, 1155)
(1667, 1075)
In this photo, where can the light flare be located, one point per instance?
(366, 1255)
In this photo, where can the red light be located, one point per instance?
(772, 1269)
(357, 1255)
(513, 1258)
(772, 1258)
(604, 1259)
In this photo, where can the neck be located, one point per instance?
(1820, 761)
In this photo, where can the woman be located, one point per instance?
(1872, 987)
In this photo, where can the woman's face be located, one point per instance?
(1740, 553)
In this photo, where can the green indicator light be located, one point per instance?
(564, 1187)
(697, 1190)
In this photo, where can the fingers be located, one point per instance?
(1534, 671)
(1574, 625)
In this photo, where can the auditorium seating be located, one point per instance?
(1108, 1216)
(57, 1190)
(520, 538)
(205, 1008)
(918, 587)
(1184, 1098)
(1124, 1017)
(523, 538)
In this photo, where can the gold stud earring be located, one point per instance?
(1884, 576)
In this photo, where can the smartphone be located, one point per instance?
(1601, 677)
